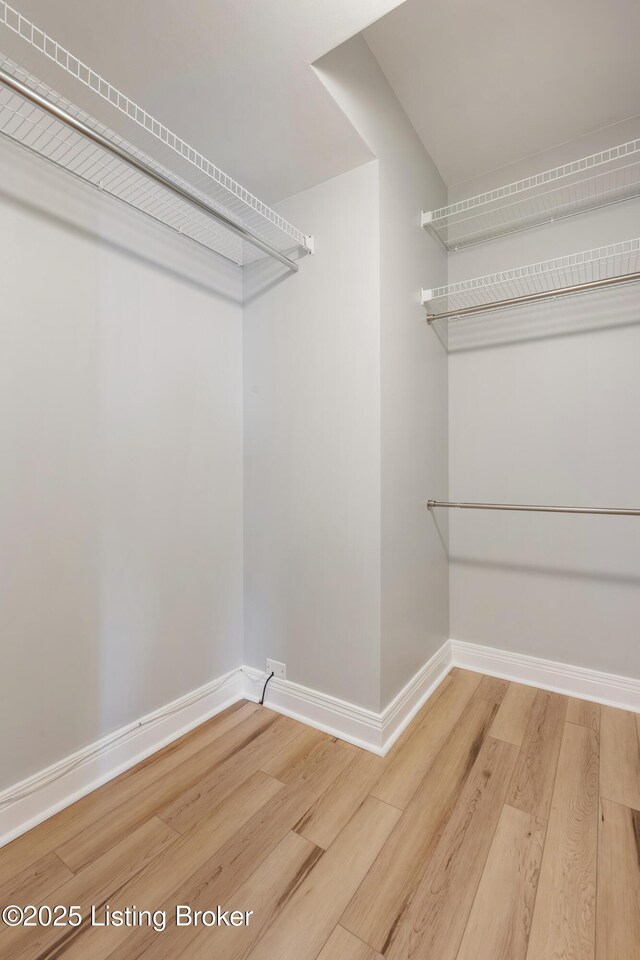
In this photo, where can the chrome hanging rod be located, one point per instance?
(533, 297)
(244, 232)
(534, 508)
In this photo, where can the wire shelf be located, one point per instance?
(602, 178)
(33, 127)
(577, 273)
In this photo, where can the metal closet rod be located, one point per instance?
(244, 232)
(534, 297)
(534, 508)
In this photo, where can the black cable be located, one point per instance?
(264, 689)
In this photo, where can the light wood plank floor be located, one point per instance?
(503, 825)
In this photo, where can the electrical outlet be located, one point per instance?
(279, 669)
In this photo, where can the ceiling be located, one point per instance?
(484, 82)
(488, 82)
(232, 77)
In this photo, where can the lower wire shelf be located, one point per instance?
(612, 265)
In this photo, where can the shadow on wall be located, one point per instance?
(557, 573)
(442, 529)
(593, 312)
(263, 273)
(81, 210)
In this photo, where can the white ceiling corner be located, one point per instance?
(488, 82)
(232, 77)
(484, 82)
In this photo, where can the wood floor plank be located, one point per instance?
(35, 882)
(342, 945)
(618, 912)
(584, 713)
(266, 893)
(307, 920)
(26, 850)
(380, 903)
(90, 809)
(410, 764)
(283, 765)
(217, 879)
(92, 886)
(184, 810)
(492, 689)
(512, 718)
(91, 843)
(151, 887)
(500, 919)
(437, 916)
(434, 884)
(565, 914)
(326, 818)
(619, 757)
(322, 823)
(534, 775)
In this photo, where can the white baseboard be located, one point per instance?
(320, 710)
(404, 706)
(372, 731)
(607, 688)
(37, 798)
(33, 800)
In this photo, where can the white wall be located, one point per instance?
(124, 384)
(414, 455)
(151, 545)
(121, 465)
(543, 406)
(346, 420)
(312, 447)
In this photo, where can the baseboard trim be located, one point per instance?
(372, 731)
(35, 799)
(38, 797)
(607, 688)
(28, 803)
(404, 706)
(336, 717)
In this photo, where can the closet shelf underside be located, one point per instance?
(188, 202)
(577, 273)
(602, 178)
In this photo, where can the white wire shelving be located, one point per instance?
(200, 202)
(594, 181)
(582, 272)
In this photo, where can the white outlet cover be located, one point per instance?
(279, 669)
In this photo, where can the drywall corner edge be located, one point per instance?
(375, 732)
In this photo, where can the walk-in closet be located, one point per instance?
(319, 480)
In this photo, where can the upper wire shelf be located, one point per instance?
(201, 202)
(594, 181)
(577, 273)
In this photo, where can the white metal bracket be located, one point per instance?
(425, 296)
